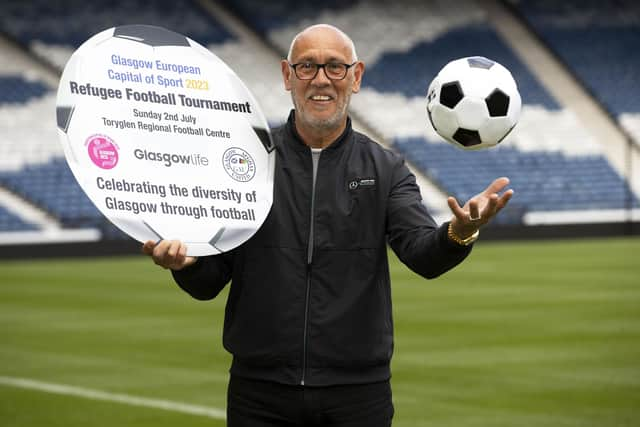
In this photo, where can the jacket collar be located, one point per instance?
(299, 144)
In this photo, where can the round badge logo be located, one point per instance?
(239, 164)
(103, 152)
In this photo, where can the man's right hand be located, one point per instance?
(168, 254)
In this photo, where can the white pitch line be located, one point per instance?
(126, 399)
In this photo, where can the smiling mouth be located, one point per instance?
(321, 98)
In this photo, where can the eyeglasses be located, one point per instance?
(309, 70)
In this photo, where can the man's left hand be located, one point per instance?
(480, 209)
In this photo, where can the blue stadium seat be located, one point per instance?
(543, 181)
(411, 72)
(17, 90)
(598, 41)
(264, 17)
(11, 222)
(52, 187)
(71, 22)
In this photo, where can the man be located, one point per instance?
(308, 317)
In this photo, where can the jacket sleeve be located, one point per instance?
(207, 277)
(413, 234)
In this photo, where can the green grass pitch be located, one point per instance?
(521, 334)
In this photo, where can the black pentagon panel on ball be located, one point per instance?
(480, 62)
(467, 137)
(497, 103)
(450, 94)
(151, 35)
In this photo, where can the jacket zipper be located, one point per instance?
(306, 320)
(308, 290)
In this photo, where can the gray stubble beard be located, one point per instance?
(327, 124)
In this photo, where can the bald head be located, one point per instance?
(324, 30)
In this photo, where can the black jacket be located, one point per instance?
(323, 317)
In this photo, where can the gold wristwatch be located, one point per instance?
(462, 242)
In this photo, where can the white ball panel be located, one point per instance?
(477, 82)
(471, 113)
(453, 70)
(444, 120)
(515, 107)
(494, 129)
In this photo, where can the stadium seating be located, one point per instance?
(409, 72)
(542, 177)
(12, 222)
(548, 157)
(598, 41)
(31, 159)
(548, 181)
(52, 187)
(63, 26)
(264, 17)
(17, 90)
(554, 165)
(31, 162)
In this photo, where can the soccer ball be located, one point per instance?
(473, 103)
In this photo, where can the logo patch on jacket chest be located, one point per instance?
(356, 183)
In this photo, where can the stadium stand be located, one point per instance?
(598, 41)
(542, 176)
(548, 156)
(553, 162)
(11, 222)
(51, 186)
(32, 163)
(25, 140)
(65, 25)
(264, 17)
(17, 90)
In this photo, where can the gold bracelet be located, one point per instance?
(462, 242)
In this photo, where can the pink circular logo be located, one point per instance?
(103, 152)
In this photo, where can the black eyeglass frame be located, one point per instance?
(318, 66)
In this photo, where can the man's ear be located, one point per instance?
(286, 73)
(358, 72)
